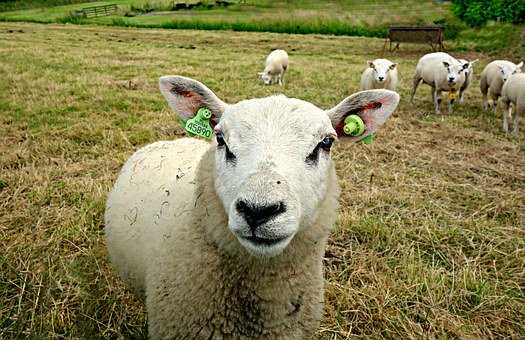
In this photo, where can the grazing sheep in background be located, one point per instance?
(276, 65)
(492, 78)
(443, 73)
(380, 74)
(469, 75)
(227, 240)
(513, 92)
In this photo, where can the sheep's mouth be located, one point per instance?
(264, 241)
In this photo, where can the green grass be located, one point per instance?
(430, 238)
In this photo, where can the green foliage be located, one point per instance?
(478, 12)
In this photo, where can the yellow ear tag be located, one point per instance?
(452, 94)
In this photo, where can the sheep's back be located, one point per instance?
(152, 195)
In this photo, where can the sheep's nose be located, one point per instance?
(255, 215)
(381, 78)
(451, 79)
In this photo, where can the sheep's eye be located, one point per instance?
(326, 143)
(220, 139)
(230, 157)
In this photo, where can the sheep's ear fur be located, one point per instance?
(520, 65)
(186, 96)
(474, 61)
(371, 64)
(373, 106)
(393, 66)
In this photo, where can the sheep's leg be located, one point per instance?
(461, 95)
(280, 79)
(495, 98)
(437, 101)
(519, 110)
(484, 89)
(507, 115)
(451, 101)
(417, 80)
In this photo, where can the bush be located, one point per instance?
(478, 12)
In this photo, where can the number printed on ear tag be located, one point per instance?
(200, 124)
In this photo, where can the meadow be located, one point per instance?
(430, 239)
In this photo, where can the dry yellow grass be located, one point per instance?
(430, 240)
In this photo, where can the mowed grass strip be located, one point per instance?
(430, 240)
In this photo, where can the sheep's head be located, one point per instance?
(272, 162)
(506, 70)
(456, 72)
(266, 77)
(468, 66)
(381, 69)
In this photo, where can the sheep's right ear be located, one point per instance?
(520, 65)
(374, 107)
(186, 96)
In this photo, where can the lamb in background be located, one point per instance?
(276, 66)
(513, 92)
(492, 79)
(227, 240)
(380, 74)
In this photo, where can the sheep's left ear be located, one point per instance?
(373, 106)
(393, 66)
(474, 61)
(186, 96)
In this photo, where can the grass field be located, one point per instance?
(430, 242)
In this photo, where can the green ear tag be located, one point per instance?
(368, 139)
(200, 124)
(354, 126)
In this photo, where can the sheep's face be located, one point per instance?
(381, 70)
(273, 165)
(469, 66)
(266, 77)
(455, 73)
(272, 161)
(506, 70)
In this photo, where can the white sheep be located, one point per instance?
(492, 78)
(469, 75)
(380, 74)
(442, 72)
(227, 240)
(513, 92)
(276, 66)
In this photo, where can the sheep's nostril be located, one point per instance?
(256, 215)
(381, 78)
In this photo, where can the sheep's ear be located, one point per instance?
(371, 64)
(520, 65)
(186, 96)
(474, 61)
(373, 106)
(446, 64)
(393, 66)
